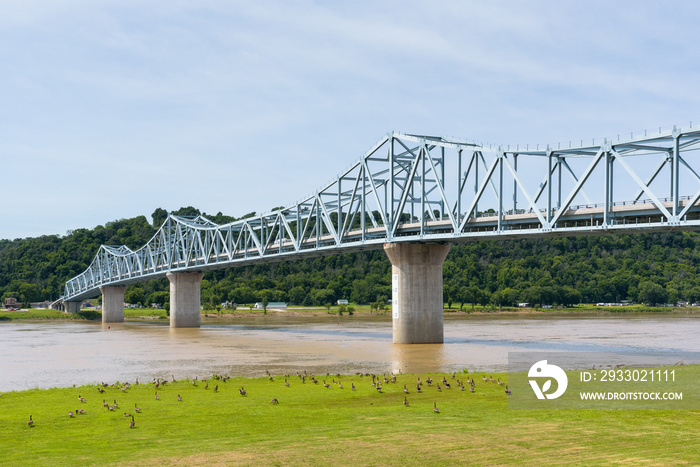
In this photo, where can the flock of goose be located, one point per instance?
(377, 384)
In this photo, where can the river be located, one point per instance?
(42, 354)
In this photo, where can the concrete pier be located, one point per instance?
(416, 272)
(72, 307)
(112, 304)
(185, 299)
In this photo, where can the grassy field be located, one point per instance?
(313, 424)
(359, 310)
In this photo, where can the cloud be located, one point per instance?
(174, 103)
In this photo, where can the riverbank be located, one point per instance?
(148, 314)
(312, 423)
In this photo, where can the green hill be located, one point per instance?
(656, 268)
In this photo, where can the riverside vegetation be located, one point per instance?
(344, 419)
(654, 268)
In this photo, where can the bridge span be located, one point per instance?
(414, 195)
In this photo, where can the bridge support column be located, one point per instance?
(113, 304)
(185, 299)
(416, 272)
(72, 307)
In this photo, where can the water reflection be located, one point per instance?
(49, 354)
(427, 358)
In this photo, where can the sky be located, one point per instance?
(111, 109)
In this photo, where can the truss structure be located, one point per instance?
(415, 188)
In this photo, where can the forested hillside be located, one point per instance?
(654, 268)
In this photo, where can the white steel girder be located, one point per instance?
(410, 188)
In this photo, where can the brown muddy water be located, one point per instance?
(61, 354)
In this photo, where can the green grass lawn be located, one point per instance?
(315, 425)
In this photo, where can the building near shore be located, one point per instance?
(271, 305)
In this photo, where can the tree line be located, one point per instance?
(651, 268)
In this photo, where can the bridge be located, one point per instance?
(414, 195)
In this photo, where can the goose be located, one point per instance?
(417, 387)
(439, 388)
(471, 388)
(80, 398)
(435, 409)
(115, 404)
(447, 385)
(179, 398)
(127, 414)
(104, 403)
(137, 408)
(132, 423)
(242, 391)
(325, 384)
(30, 422)
(340, 385)
(157, 396)
(508, 391)
(70, 414)
(216, 388)
(405, 401)
(353, 386)
(206, 386)
(81, 411)
(405, 389)
(274, 401)
(500, 383)
(286, 383)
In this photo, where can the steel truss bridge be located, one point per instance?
(414, 188)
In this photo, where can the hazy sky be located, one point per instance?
(111, 109)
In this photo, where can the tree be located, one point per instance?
(134, 295)
(265, 302)
(693, 295)
(568, 296)
(474, 295)
(381, 303)
(307, 301)
(160, 297)
(651, 293)
(297, 294)
(159, 216)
